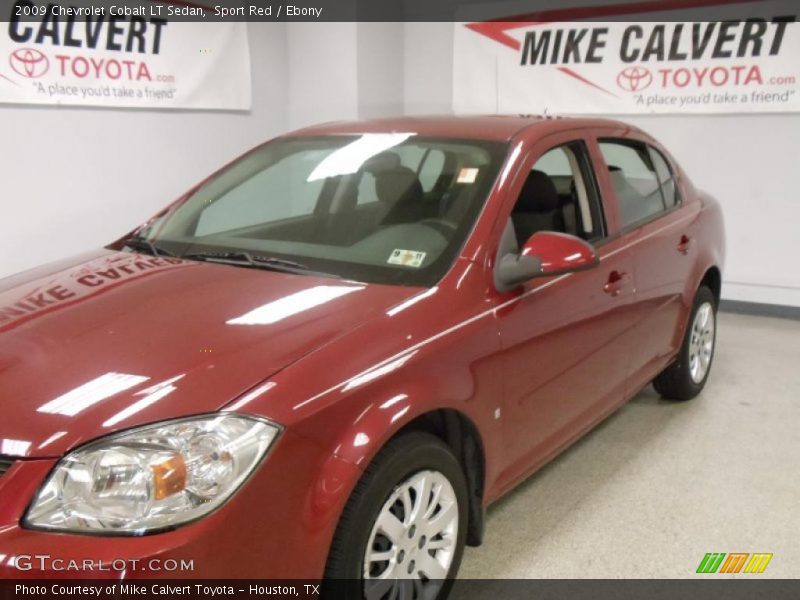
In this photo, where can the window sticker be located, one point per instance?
(467, 175)
(407, 258)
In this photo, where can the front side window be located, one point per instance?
(635, 181)
(559, 194)
(349, 206)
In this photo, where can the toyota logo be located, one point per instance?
(29, 62)
(634, 79)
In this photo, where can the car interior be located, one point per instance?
(554, 197)
(420, 198)
(413, 198)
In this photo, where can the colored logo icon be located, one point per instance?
(29, 62)
(634, 79)
(736, 562)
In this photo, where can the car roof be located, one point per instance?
(484, 127)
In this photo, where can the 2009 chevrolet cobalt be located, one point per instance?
(328, 358)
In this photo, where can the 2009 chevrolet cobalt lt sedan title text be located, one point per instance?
(330, 357)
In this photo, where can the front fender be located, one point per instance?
(382, 420)
(457, 368)
(356, 419)
(439, 351)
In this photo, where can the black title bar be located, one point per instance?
(392, 10)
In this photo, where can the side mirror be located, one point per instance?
(545, 253)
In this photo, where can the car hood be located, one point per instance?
(111, 340)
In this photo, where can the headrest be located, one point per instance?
(384, 161)
(400, 183)
(538, 195)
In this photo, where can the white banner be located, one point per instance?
(627, 67)
(135, 61)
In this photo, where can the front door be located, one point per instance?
(566, 338)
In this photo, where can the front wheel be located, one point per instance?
(686, 377)
(402, 532)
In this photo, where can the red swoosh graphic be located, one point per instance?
(496, 29)
(9, 80)
(583, 79)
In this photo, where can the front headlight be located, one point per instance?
(151, 478)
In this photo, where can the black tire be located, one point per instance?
(399, 460)
(676, 382)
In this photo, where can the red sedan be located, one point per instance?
(328, 358)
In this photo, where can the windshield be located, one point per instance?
(382, 208)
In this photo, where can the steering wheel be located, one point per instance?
(443, 226)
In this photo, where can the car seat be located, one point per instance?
(538, 207)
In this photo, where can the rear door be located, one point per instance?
(655, 225)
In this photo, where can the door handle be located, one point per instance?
(616, 281)
(685, 244)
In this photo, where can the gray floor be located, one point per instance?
(659, 484)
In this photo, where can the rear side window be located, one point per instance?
(665, 177)
(635, 180)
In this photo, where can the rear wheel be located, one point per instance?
(686, 377)
(402, 532)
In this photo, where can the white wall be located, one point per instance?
(380, 69)
(428, 68)
(322, 73)
(749, 162)
(340, 71)
(78, 178)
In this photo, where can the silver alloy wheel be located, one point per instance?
(701, 344)
(413, 540)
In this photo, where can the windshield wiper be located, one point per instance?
(137, 242)
(242, 258)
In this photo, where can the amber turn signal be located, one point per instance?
(169, 477)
